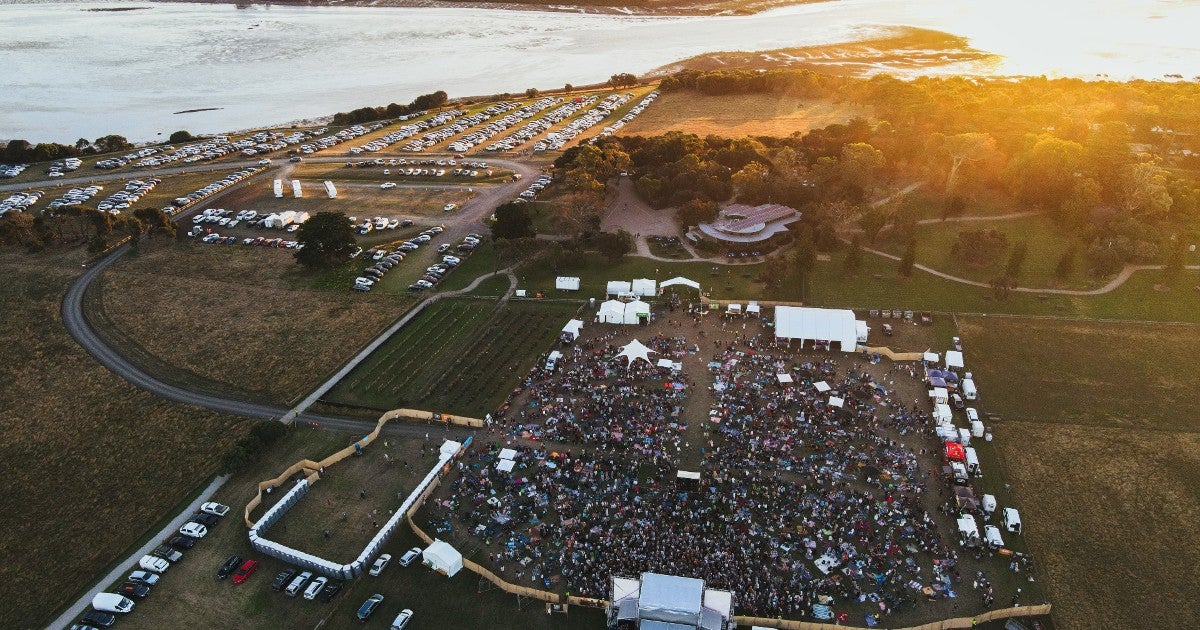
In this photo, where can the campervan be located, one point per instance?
(552, 360)
(977, 429)
(972, 414)
(987, 506)
(991, 534)
(973, 462)
(1012, 520)
(964, 437)
(968, 389)
(959, 471)
(968, 531)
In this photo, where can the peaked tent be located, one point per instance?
(644, 287)
(617, 287)
(443, 558)
(817, 324)
(633, 351)
(566, 283)
(572, 328)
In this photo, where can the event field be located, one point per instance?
(230, 320)
(458, 356)
(739, 115)
(1100, 442)
(355, 200)
(92, 464)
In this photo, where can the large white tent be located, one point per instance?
(617, 312)
(817, 324)
(680, 280)
(633, 351)
(443, 558)
(572, 328)
(618, 287)
(566, 283)
(644, 287)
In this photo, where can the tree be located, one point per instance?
(979, 248)
(555, 255)
(568, 88)
(861, 165)
(872, 221)
(1002, 286)
(1016, 259)
(1042, 174)
(804, 260)
(531, 93)
(695, 212)
(513, 220)
(614, 245)
(905, 268)
(1066, 264)
(961, 149)
(1176, 256)
(751, 182)
(623, 79)
(955, 207)
(326, 239)
(854, 258)
(111, 143)
(181, 136)
(1143, 190)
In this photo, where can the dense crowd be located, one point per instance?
(800, 504)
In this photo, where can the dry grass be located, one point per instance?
(1099, 439)
(231, 316)
(739, 115)
(354, 201)
(91, 463)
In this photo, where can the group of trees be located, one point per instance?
(22, 151)
(394, 110)
(262, 435)
(72, 225)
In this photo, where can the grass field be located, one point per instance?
(458, 356)
(354, 201)
(374, 174)
(1101, 444)
(189, 595)
(91, 463)
(230, 320)
(740, 115)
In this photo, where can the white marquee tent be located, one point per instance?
(572, 328)
(617, 287)
(566, 283)
(817, 324)
(633, 351)
(617, 312)
(644, 287)
(954, 359)
(680, 280)
(443, 558)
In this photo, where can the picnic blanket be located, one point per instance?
(821, 611)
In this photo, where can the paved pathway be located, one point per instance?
(127, 565)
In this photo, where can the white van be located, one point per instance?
(968, 389)
(973, 462)
(964, 437)
(987, 506)
(1011, 519)
(977, 429)
(972, 414)
(552, 360)
(991, 534)
(968, 531)
(298, 583)
(111, 602)
(151, 563)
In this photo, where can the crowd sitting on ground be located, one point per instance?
(801, 504)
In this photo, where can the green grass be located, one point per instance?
(459, 356)
(1097, 432)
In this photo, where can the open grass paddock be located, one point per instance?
(1100, 440)
(739, 115)
(457, 356)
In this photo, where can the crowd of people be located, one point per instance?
(802, 504)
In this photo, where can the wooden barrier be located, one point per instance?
(894, 356)
(945, 624)
(312, 469)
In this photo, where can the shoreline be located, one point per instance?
(668, 8)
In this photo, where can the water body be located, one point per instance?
(69, 71)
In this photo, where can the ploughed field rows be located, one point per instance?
(458, 356)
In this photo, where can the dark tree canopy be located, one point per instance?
(327, 239)
(513, 221)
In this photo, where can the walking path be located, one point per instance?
(126, 565)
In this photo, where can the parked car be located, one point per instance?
(98, 619)
(205, 519)
(298, 584)
(331, 589)
(231, 563)
(315, 587)
(193, 529)
(216, 509)
(182, 542)
(410, 556)
(167, 553)
(401, 620)
(368, 607)
(151, 563)
(144, 577)
(282, 579)
(245, 571)
(136, 590)
(380, 564)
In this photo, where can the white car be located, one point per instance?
(145, 577)
(216, 509)
(410, 556)
(448, 207)
(193, 529)
(264, 162)
(154, 564)
(314, 588)
(387, 185)
(380, 564)
(401, 620)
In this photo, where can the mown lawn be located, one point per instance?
(1100, 442)
(458, 356)
(92, 464)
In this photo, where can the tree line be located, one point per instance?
(23, 151)
(394, 110)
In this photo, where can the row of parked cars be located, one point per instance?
(556, 140)
(9, 171)
(125, 198)
(61, 167)
(497, 127)
(378, 223)
(384, 260)
(536, 187)
(107, 605)
(544, 122)
(19, 201)
(627, 118)
(215, 187)
(75, 196)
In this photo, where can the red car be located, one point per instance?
(245, 571)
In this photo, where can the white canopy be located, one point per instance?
(644, 287)
(617, 287)
(684, 474)
(863, 330)
(822, 386)
(566, 283)
(942, 413)
(508, 453)
(784, 378)
(734, 308)
(835, 401)
(633, 351)
(505, 465)
(753, 307)
(681, 280)
(667, 363)
(572, 328)
(954, 359)
(618, 312)
(931, 357)
(939, 394)
(817, 324)
(443, 558)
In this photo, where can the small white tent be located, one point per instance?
(633, 351)
(644, 287)
(443, 558)
(566, 283)
(954, 359)
(572, 329)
